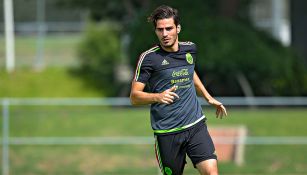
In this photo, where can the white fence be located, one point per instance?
(228, 101)
(124, 101)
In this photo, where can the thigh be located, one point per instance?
(200, 146)
(170, 154)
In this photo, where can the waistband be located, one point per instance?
(179, 129)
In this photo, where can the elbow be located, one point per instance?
(133, 100)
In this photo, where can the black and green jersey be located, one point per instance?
(161, 70)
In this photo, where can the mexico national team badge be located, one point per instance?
(189, 58)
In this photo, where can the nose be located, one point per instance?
(164, 33)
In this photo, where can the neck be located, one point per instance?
(173, 48)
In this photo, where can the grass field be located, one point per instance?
(51, 82)
(42, 121)
(58, 50)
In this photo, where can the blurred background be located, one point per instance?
(66, 68)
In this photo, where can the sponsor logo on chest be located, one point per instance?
(180, 73)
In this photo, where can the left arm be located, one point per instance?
(201, 90)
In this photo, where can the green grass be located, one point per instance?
(51, 82)
(58, 50)
(38, 121)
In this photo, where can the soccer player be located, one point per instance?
(176, 115)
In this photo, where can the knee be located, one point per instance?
(210, 172)
(208, 167)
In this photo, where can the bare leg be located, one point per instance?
(208, 167)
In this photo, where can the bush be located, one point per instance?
(99, 53)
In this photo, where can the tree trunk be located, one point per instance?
(299, 26)
(228, 8)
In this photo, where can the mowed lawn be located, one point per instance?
(89, 121)
(54, 50)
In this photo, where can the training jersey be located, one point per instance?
(161, 70)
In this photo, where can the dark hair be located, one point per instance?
(163, 12)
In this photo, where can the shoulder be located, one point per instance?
(150, 51)
(147, 55)
(188, 45)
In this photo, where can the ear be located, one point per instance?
(178, 28)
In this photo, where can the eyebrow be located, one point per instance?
(167, 28)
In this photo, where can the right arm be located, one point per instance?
(139, 97)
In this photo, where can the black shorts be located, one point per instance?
(171, 149)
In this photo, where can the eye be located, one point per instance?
(159, 29)
(169, 28)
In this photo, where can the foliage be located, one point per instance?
(99, 53)
(228, 46)
(116, 10)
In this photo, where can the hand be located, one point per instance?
(220, 109)
(168, 96)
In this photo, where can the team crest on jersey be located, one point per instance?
(168, 171)
(189, 58)
(164, 62)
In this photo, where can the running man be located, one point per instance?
(176, 115)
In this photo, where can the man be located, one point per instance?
(176, 115)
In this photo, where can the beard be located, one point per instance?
(168, 43)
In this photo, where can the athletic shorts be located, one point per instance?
(171, 149)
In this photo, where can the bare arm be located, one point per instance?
(139, 97)
(201, 90)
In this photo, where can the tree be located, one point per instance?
(115, 10)
(299, 26)
(230, 50)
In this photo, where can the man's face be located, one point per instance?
(166, 32)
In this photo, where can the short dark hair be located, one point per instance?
(163, 12)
